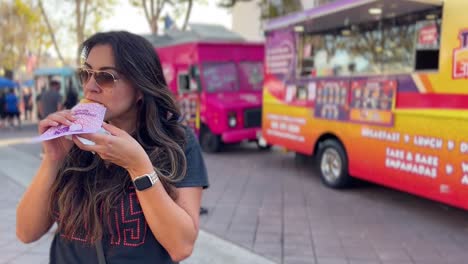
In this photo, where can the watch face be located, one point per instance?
(142, 183)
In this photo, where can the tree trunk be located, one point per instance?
(51, 32)
(145, 9)
(21, 57)
(81, 15)
(151, 15)
(39, 52)
(154, 17)
(79, 30)
(187, 14)
(156, 13)
(154, 25)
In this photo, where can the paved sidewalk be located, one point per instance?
(267, 203)
(277, 207)
(16, 170)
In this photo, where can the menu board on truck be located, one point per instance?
(372, 101)
(188, 103)
(332, 100)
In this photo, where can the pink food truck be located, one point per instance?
(219, 88)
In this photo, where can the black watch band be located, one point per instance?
(145, 181)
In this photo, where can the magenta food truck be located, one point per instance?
(219, 88)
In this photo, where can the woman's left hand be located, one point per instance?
(119, 148)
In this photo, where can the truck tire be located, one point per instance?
(263, 147)
(333, 164)
(209, 142)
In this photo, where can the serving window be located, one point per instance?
(394, 45)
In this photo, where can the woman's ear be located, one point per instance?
(139, 97)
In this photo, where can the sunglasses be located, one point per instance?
(103, 79)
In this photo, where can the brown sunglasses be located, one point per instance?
(102, 78)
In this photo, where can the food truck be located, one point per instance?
(218, 84)
(375, 90)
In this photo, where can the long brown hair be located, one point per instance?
(85, 189)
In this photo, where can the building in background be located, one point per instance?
(246, 20)
(247, 16)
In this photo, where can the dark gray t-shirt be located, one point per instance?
(50, 100)
(133, 241)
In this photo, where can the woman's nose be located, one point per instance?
(92, 86)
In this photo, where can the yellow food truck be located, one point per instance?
(376, 90)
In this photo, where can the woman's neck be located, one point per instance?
(126, 122)
(128, 126)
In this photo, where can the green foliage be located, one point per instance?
(21, 30)
(72, 21)
(270, 10)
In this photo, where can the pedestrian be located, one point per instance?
(38, 102)
(71, 97)
(28, 104)
(2, 109)
(137, 199)
(12, 108)
(51, 100)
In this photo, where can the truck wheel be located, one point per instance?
(209, 142)
(263, 146)
(333, 164)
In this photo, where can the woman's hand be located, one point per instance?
(56, 149)
(119, 148)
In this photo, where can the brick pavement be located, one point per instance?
(276, 207)
(11, 250)
(269, 204)
(17, 166)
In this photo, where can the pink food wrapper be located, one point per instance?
(89, 118)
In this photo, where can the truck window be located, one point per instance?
(338, 53)
(251, 75)
(411, 42)
(400, 44)
(220, 77)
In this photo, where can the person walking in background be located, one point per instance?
(12, 108)
(134, 196)
(71, 98)
(28, 104)
(51, 100)
(2, 109)
(39, 109)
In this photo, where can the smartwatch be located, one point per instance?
(145, 181)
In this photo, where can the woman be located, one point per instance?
(139, 196)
